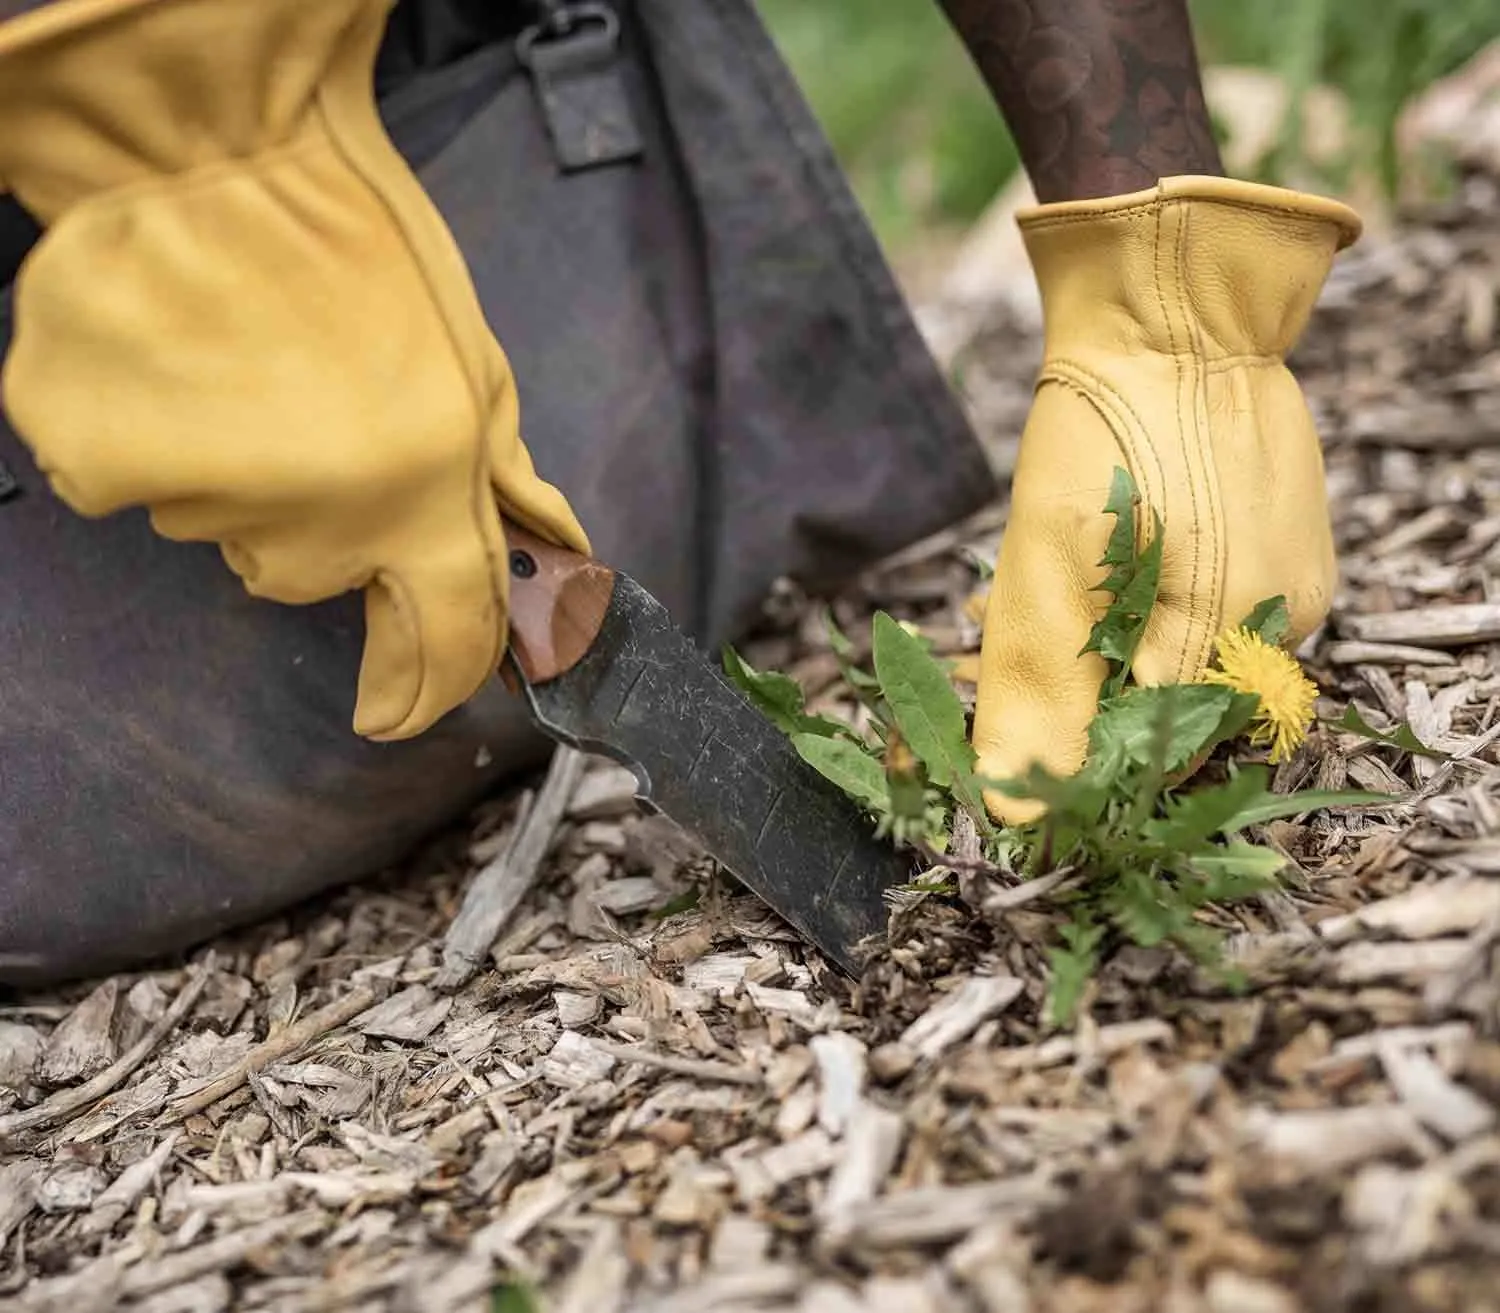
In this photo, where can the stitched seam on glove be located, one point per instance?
(1210, 622)
(1191, 438)
(1196, 455)
(1227, 364)
(1159, 213)
(1143, 210)
(1130, 433)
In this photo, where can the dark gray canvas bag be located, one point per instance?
(714, 365)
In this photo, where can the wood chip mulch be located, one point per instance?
(643, 1095)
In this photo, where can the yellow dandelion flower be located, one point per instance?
(1249, 664)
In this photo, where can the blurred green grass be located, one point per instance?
(925, 148)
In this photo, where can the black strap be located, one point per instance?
(572, 52)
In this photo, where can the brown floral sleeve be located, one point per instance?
(1102, 96)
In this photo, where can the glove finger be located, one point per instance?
(1179, 640)
(434, 633)
(1037, 694)
(205, 519)
(539, 506)
(295, 569)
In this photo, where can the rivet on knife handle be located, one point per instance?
(558, 599)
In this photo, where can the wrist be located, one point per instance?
(1116, 176)
(1103, 97)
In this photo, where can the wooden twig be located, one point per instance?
(225, 1251)
(958, 1015)
(1429, 626)
(1352, 652)
(960, 863)
(113, 1277)
(697, 1068)
(1445, 770)
(499, 887)
(278, 1046)
(447, 1136)
(66, 1102)
(1017, 896)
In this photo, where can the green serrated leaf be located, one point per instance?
(908, 799)
(1192, 819)
(683, 902)
(1133, 602)
(860, 680)
(1274, 806)
(1141, 905)
(1124, 497)
(923, 703)
(1118, 633)
(938, 883)
(1237, 718)
(1072, 966)
(1081, 797)
(1270, 620)
(776, 694)
(1132, 582)
(846, 764)
(838, 640)
(1236, 870)
(513, 1297)
(778, 697)
(1124, 732)
(1402, 737)
(1202, 943)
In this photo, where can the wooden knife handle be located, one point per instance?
(557, 603)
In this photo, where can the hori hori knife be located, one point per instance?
(605, 670)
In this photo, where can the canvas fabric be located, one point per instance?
(716, 367)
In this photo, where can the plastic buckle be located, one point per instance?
(573, 57)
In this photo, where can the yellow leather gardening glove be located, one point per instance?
(1168, 317)
(246, 315)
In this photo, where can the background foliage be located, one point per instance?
(916, 129)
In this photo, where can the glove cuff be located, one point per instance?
(1208, 188)
(1210, 266)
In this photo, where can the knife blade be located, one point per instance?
(604, 669)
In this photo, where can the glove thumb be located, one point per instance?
(435, 629)
(1036, 698)
(1037, 695)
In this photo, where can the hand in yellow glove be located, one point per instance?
(246, 315)
(1169, 314)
